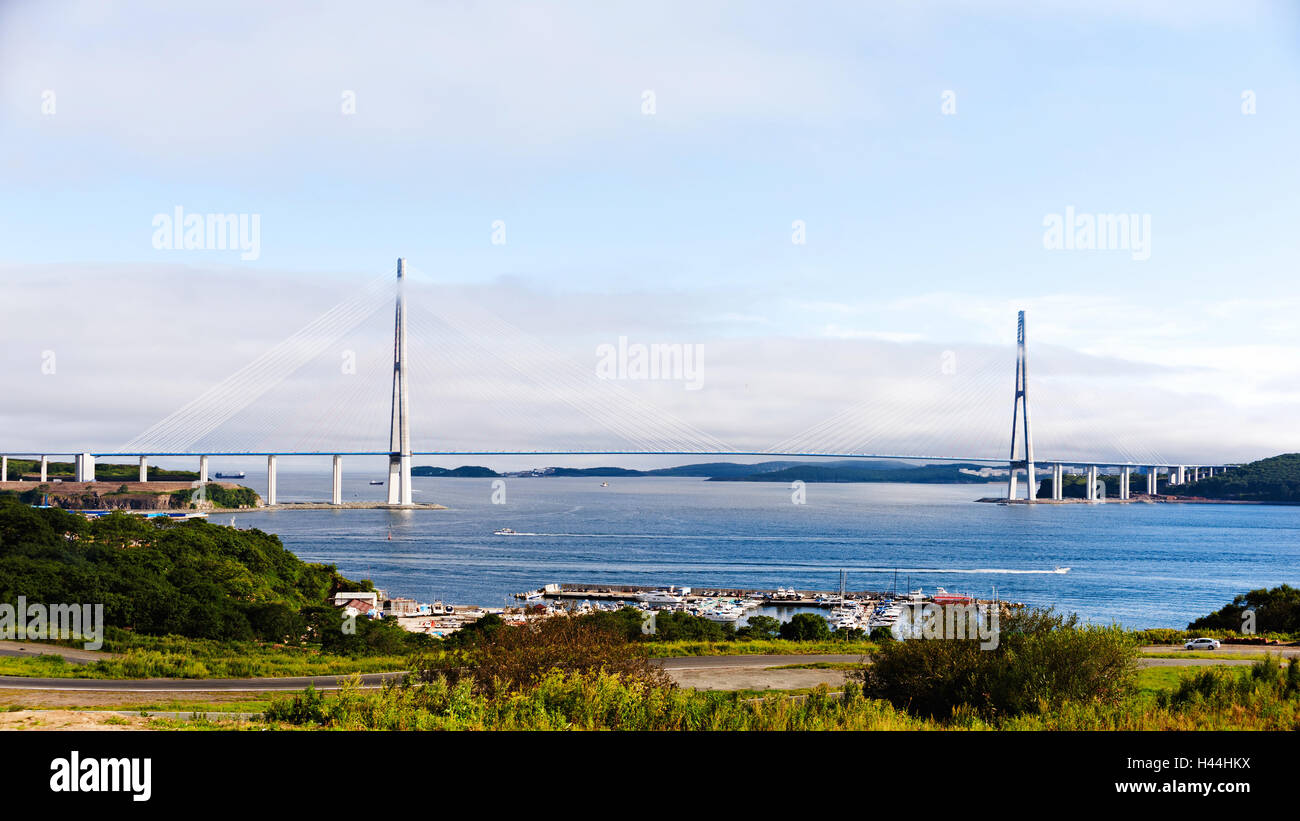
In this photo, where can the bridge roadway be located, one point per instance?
(992, 460)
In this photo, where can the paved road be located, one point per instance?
(172, 685)
(706, 672)
(1283, 650)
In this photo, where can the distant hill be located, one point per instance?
(924, 474)
(727, 470)
(783, 470)
(1275, 479)
(462, 472)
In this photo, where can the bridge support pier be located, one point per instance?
(399, 435)
(336, 497)
(1020, 419)
(1124, 475)
(1091, 494)
(1152, 478)
(4, 468)
(85, 467)
(1056, 482)
(1182, 474)
(144, 468)
(45, 468)
(203, 469)
(270, 480)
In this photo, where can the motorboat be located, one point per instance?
(661, 598)
(505, 531)
(942, 596)
(723, 614)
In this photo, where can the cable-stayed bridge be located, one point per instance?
(362, 406)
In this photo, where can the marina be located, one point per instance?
(844, 610)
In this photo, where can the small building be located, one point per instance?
(401, 606)
(341, 599)
(358, 607)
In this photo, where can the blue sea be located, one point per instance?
(1141, 565)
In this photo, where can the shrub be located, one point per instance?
(515, 659)
(307, 707)
(1042, 660)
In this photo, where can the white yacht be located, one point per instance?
(724, 614)
(661, 598)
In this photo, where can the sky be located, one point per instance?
(830, 202)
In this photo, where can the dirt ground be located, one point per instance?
(69, 720)
(752, 678)
(54, 699)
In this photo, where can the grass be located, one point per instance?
(247, 706)
(1262, 696)
(1238, 698)
(174, 657)
(603, 702)
(142, 656)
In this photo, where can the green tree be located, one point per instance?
(806, 627)
(760, 627)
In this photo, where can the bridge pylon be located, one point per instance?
(1019, 411)
(399, 435)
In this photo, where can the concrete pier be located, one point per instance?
(399, 437)
(1124, 475)
(270, 480)
(1091, 494)
(1182, 474)
(45, 468)
(85, 464)
(1020, 421)
(4, 468)
(203, 469)
(1057, 476)
(336, 497)
(1152, 478)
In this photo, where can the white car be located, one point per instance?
(1202, 644)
